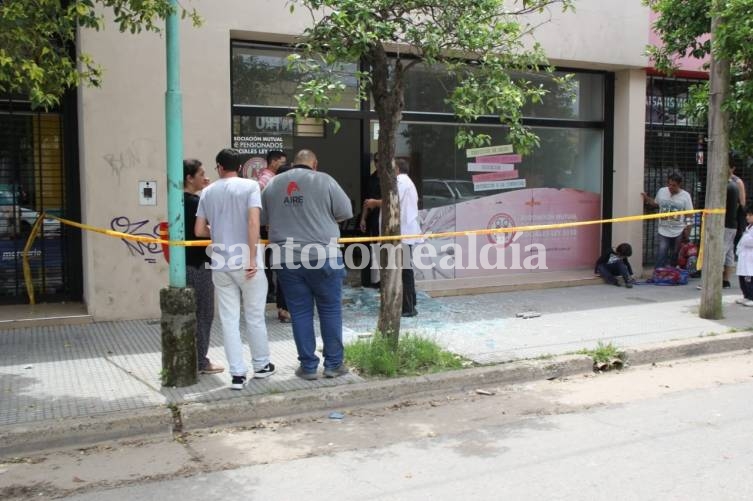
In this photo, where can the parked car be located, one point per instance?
(439, 192)
(17, 221)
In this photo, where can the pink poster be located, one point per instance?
(500, 253)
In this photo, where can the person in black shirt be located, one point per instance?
(614, 264)
(198, 276)
(369, 225)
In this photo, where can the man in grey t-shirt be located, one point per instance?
(303, 208)
(231, 207)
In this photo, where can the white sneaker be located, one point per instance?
(740, 300)
(748, 302)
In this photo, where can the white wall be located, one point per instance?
(122, 125)
(629, 141)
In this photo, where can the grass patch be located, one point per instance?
(603, 353)
(414, 356)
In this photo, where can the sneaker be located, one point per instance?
(726, 284)
(267, 371)
(308, 376)
(211, 369)
(340, 370)
(741, 300)
(628, 285)
(748, 302)
(409, 313)
(238, 383)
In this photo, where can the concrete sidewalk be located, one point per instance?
(51, 374)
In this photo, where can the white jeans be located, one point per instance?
(230, 288)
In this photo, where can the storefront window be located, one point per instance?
(427, 89)
(566, 158)
(559, 182)
(260, 77)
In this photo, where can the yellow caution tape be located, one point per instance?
(25, 257)
(389, 238)
(350, 240)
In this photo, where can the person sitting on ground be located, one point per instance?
(687, 258)
(745, 260)
(614, 264)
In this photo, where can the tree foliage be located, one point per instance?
(684, 26)
(37, 37)
(485, 46)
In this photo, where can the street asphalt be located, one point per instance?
(71, 385)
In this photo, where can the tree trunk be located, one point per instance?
(388, 104)
(717, 177)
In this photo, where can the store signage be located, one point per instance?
(489, 150)
(499, 185)
(477, 167)
(495, 176)
(499, 159)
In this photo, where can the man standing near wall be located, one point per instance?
(303, 208)
(232, 206)
(671, 198)
(409, 225)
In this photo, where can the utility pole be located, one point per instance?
(177, 303)
(717, 175)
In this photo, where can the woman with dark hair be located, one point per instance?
(198, 276)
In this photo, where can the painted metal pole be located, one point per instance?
(174, 132)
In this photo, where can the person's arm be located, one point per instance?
(368, 205)
(342, 209)
(741, 189)
(201, 228)
(253, 240)
(648, 201)
(690, 219)
(627, 265)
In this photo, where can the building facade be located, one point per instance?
(236, 91)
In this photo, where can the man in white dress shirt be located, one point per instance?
(409, 225)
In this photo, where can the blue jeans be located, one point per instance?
(303, 288)
(669, 247)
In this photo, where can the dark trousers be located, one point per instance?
(199, 279)
(409, 283)
(273, 282)
(609, 271)
(746, 286)
(370, 257)
(669, 247)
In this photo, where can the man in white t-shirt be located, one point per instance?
(409, 225)
(231, 206)
(669, 199)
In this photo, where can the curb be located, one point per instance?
(159, 421)
(84, 432)
(688, 348)
(234, 412)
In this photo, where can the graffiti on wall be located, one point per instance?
(142, 228)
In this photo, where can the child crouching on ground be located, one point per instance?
(614, 264)
(745, 259)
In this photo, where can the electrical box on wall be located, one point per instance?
(147, 192)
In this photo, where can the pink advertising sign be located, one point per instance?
(505, 253)
(495, 176)
(499, 159)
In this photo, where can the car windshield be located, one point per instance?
(464, 188)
